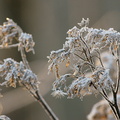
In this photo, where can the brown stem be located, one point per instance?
(46, 107)
(87, 48)
(23, 55)
(37, 95)
(79, 57)
(116, 104)
(99, 57)
(43, 103)
(102, 94)
(118, 76)
(9, 46)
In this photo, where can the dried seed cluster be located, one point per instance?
(11, 33)
(14, 72)
(84, 46)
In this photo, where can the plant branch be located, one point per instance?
(23, 55)
(9, 46)
(43, 103)
(46, 107)
(118, 76)
(37, 95)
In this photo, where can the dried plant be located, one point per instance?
(4, 117)
(20, 73)
(90, 74)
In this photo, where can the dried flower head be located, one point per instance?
(9, 31)
(15, 72)
(84, 46)
(26, 41)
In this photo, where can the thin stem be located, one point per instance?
(43, 103)
(37, 95)
(111, 105)
(86, 47)
(118, 76)
(102, 94)
(116, 104)
(9, 46)
(23, 55)
(46, 107)
(89, 61)
(86, 55)
(99, 57)
(79, 57)
(114, 111)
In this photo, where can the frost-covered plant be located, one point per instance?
(91, 74)
(4, 117)
(19, 73)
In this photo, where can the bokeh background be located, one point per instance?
(48, 21)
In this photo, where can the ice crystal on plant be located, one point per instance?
(84, 46)
(9, 31)
(80, 87)
(19, 73)
(26, 41)
(58, 94)
(15, 72)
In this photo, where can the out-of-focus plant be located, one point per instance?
(20, 73)
(90, 74)
(4, 117)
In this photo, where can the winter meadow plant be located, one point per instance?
(13, 72)
(93, 55)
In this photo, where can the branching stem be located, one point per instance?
(36, 95)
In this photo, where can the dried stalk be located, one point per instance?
(36, 94)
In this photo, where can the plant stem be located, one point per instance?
(116, 104)
(46, 107)
(37, 95)
(43, 103)
(23, 55)
(118, 76)
(9, 46)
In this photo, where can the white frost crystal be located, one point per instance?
(83, 51)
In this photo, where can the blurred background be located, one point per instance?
(48, 21)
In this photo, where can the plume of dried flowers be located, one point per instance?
(11, 35)
(84, 46)
(9, 31)
(14, 72)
